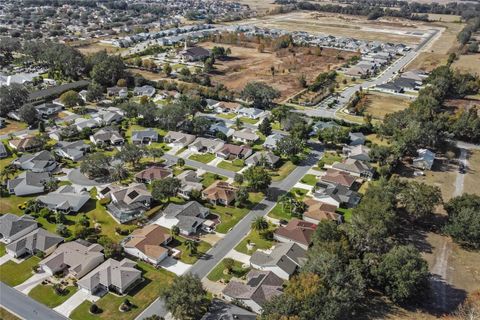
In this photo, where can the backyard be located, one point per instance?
(219, 272)
(46, 294)
(209, 178)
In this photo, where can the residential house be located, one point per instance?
(39, 240)
(201, 145)
(112, 275)
(13, 227)
(127, 203)
(144, 136)
(226, 107)
(148, 243)
(337, 177)
(153, 173)
(108, 116)
(77, 258)
(82, 123)
(83, 94)
(3, 122)
(354, 167)
(259, 288)
(283, 260)
(232, 151)
(358, 152)
(318, 211)
(220, 192)
(178, 139)
(221, 127)
(66, 199)
(252, 113)
(194, 54)
(245, 136)
(188, 217)
(272, 140)
(26, 144)
(424, 160)
(42, 161)
(221, 310)
(28, 183)
(322, 125)
(3, 151)
(45, 110)
(336, 195)
(212, 104)
(120, 92)
(296, 231)
(356, 138)
(265, 158)
(72, 150)
(145, 90)
(107, 137)
(190, 182)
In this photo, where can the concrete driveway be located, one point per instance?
(175, 266)
(5, 258)
(78, 178)
(74, 301)
(32, 282)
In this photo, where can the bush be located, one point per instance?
(104, 201)
(94, 309)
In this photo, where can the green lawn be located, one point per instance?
(5, 315)
(276, 125)
(278, 211)
(2, 249)
(329, 158)
(229, 216)
(236, 165)
(309, 179)
(179, 243)
(209, 178)
(283, 171)
(10, 203)
(258, 239)
(203, 158)
(14, 274)
(226, 115)
(219, 272)
(46, 294)
(258, 145)
(141, 296)
(347, 213)
(248, 120)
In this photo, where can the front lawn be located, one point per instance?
(202, 157)
(281, 213)
(248, 120)
(226, 115)
(309, 179)
(260, 239)
(10, 203)
(13, 274)
(179, 243)
(2, 249)
(141, 296)
(329, 158)
(283, 171)
(5, 315)
(46, 294)
(209, 178)
(219, 272)
(236, 165)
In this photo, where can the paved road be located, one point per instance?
(199, 165)
(24, 306)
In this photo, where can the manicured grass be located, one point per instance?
(283, 171)
(258, 145)
(226, 115)
(309, 179)
(141, 296)
(179, 243)
(180, 151)
(5, 315)
(258, 238)
(347, 213)
(10, 203)
(236, 165)
(202, 157)
(278, 213)
(14, 274)
(2, 249)
(248, 120)
(276, 125)
(229, 216)
(329, 158)
(219, 272)
(46, 294)
(6, 161)
(209, 178)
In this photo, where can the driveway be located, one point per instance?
(242, 257)
(215, 162)
(74, 301)
(78, 178)
(175, 266)
(185, 154)
(32, 282)
(5, 258)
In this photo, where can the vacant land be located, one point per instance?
(261, 7)
(247, 64)
(96, 47)
(381, 104)
(12, 127)
(468, 63)
(472, 177)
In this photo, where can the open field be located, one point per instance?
(468, 63)
(246, 64)
(381, 104)
(472, 177)
(147, 74)
(443, 17)
(96, 47)
(261, 6)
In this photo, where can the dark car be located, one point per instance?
(462, 168)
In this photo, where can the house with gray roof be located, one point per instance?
(146, 136)
(260, 287)
(145, 90)
(45, 110)
(28, 183)
(206, 145)
(72, 150)
(272, 140)
(3, 151)
(252, 113)
(39, 240)
(127, 203)
(221, 310)
(82, 123)
(337, 195)
(322, 125)
(107, 136)
(265, 158)
(245, 136)
(116, 91)
(178, 139)
(354, 167)
(424, 160)
(221, 127)
(358, 152)
(13, 227)
(65, 199)
(112, 275)
(188, 217)
(356, 138)
(189, 182)
(283, 260)
(42, 161)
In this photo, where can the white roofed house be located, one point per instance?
(65, 199)
(206, 145)
(252, 113)
(146, 136)
(424, 160)
(42, 161)
(28, 183)
(145, 90)
(245, 136)
(272, 140)
(178, 139)
(72, 150)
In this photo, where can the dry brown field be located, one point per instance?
(381, 104)
(468, 63)
(472, 177)
(261, 6)
(96, 47)
(247, 64)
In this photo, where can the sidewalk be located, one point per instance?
(74, 301)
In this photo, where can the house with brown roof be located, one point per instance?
(338, 177)
(297, 231)
(232, 151)
(220, 192)
(153, 173)
(260, 287)
(318, 211)
(148, 243)
(27, 144)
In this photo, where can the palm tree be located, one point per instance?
(7, 172)
(259, 224)
(155, 153)
(191, 246)
(286, 200)
(238, 123)
(119, 172)
(175, 231)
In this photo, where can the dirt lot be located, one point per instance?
(470, 63)
(97, 46)
(261, 6)
(472, 178)
(381, 104)
(247, 64)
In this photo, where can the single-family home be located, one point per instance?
(72, 150)
(112, 275)
(263, 158)
(28, 183)
(188, 217)
(3, 151)
(108, 116)
(145, 136)
(77, 258)
(194, 54)
(82, 123)
(322, 125)
(153, 173)
(337, 195)
(148, 243)
(45, 110)
(220, 192)
(318, 211)
(335, 177)
(42, 161)
(424, 160)
(356, 138)
(226, 107)
(272, 140)
(107, 136)
(178, 139)
(221, 127)
(222, 310)
(358, 152)
(232, 151)
(212, 104)
(245, 136)
(145, 90)
(252, 113)
(13, 227)
(127, 203)
(65, 199)
(283, 260)
(296, 231)
(117, 91)
(189, 182)
(259, 288)
(354, 167)
(26, 144)
(39, 240)
(83, 94)
(206, 145)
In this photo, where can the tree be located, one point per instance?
(281, 113)
(95, 165)
(41, 126)
(156, 153)
(180, 162)
(286, 200)
(419, 199)
(59, 218)
(238, 178)
(118, 172)
(70, 98)
(94, 91)
(167, 69)
(165, 188)
(185, 298)
(122, 83)
(228, 263)
(62, 230)
(265, 127)
(107, 70)
(464, 220)
(257, 178)
(290, 147)
(28, 114)
(260, 94)
(241, 197)
(131, 153)
(111, 249)
(175, 231)
(191, 246)
(402, 273)
(259, 224)
(7, 171)
(238, 123)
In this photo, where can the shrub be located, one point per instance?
(94, 309)
(104, 201)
